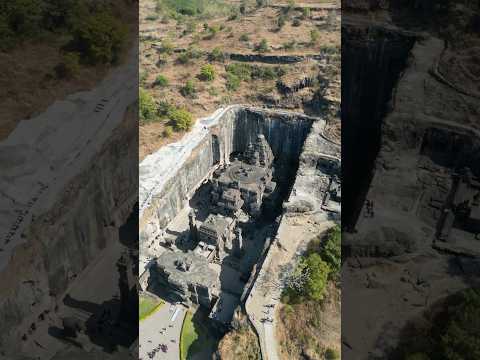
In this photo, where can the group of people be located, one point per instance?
(369, 208)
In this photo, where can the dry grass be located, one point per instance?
(240, 345)
(310, 328)
(257, 24)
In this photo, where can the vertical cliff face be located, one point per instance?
(373, 59)
(83, 219)
(215, 140)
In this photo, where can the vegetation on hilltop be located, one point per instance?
(310, 313)
(448, 331)
(90, 28)
(321, 263)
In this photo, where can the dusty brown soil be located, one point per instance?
(257, 24)
(310, 327)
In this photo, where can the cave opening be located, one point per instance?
(370, 71)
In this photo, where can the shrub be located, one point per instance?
(190, 28)
(243, 7)
(281, 21)
(69, 67)
(244, 38)
(212, 31)
(147, 107)
(289, 45)
(332, 354)
(213, 91)
(189, 90)
(183, 58)
(317, 278)
(207, 73)
(217, 55)
(168, 131)
(166, 47)
(100, 38)
(181, 119)
(267, 73)
(242, 71)
(233, 82)
(151, 17)
(7, 36)
(261, 3)
(291, 5)
(161, 81)
(233, 15)
(143, 77)
(329, 248)
(164, 108)
(187, 56)
(306, 13)
(23, 17)
(296, 22)
(314, 36)
(262, 46)
(417, 356)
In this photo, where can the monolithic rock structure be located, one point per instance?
(232, 158)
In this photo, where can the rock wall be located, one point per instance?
(61, 242)
(373, 60)
(214, 140)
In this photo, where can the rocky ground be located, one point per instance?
(308, 79)
(394, 270)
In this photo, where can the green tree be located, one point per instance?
(181, 119)
(147, 107)
(100, 38)
(331, 252)
(23, 17)
(318, 271)
(460, 340)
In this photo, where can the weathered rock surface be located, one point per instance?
(67, 186)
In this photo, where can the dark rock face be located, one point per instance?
(285, 133)
(372, 61)
(273, 59)
(65, 239)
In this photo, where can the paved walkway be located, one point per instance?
(160, 328)
(265, 295)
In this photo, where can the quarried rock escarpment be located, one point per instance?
(166, 186)
(64, 199)
(373, 58)
(238, 197)
(413, 242)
